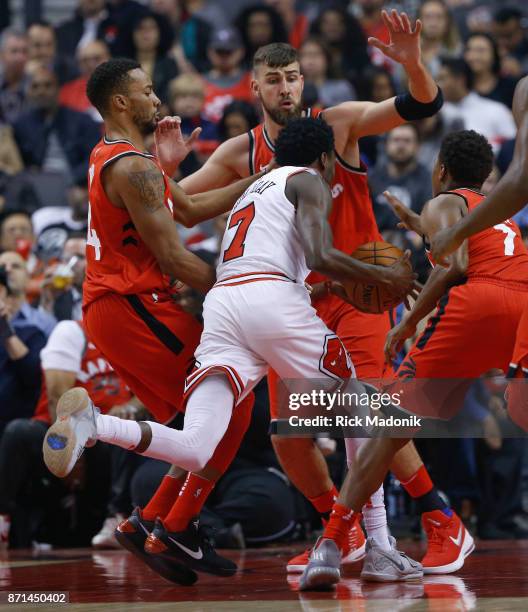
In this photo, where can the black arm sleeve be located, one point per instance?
(410, 109)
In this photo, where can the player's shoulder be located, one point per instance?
(445, 201)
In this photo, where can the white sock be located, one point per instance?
(207, 417)
(375, 519)
(120, 432)
(374, 513)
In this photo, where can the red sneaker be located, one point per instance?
(448, 543)
(353, 551)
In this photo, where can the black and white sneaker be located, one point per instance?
(132, 534)
(190, 547)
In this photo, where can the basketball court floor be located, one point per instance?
(495, 577)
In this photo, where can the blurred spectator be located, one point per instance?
(316, 66)
(296, 22)
(403, 175)
(369, 14)
(83, 28)
(16, 232)
(53, 225)
(42, 53)
(376, 85)
(259, 25)
(239, 117)
(487, 117)
(186, 99)
(512, 41)
(10, 160)
(432, 131)
(345, 39)
(195, 35)
(227, 80)
(73, 94)
(61, 293)
(115, 29)
(32, 498)
(505, 155)
(211, 11)
(482, 56)
(410, 181)
(53, 138)
(13, 59)
(23, 333)
(148, 41)
(171, 12)
(439, 36)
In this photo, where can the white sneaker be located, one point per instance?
(389, 565)
(74, 429)
(106, 538)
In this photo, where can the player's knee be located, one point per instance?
(198, 459)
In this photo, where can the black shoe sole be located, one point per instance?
(169, 569)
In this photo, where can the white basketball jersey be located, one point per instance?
(261, 233)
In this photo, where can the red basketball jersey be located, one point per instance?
(104, 386)
(499, 251)
(118, 261)
(351, 218)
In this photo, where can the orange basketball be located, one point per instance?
(365, 296)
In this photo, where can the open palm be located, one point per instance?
(404, 45)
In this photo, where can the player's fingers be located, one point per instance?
(417, 28)
(417, 286)
(396, 22)
(406, 303)
(387, 20)
(407, 28)
(374, 42)
(194, 136)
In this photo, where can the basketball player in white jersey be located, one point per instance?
(258, 314)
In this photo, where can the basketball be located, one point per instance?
(366, 296)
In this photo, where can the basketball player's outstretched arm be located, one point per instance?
(440, 212)
(136, 183)
(312, 199)
(508, 197)
(190, 210)
(424, 99)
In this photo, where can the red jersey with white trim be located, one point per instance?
(105, 388)
(499, 251)
(351, 218)
(118, 261)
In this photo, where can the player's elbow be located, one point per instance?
(183, 214)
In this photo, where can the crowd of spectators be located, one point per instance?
(198, 54)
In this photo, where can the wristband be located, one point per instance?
(410, 109)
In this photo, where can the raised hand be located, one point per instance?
(404, 45)
(171, 146)
(409, 219)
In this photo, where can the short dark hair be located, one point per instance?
(458, 67)
(276, 55)
(503, 15)
(107, 79)
(302, 141)
(467, 156)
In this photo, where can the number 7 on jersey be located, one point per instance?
(243, 219)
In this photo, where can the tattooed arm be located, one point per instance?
(136, 183)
